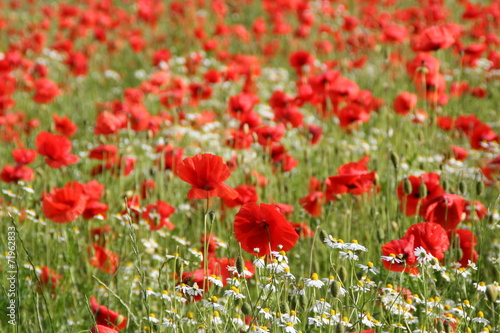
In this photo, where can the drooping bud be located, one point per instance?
(479, 187)
(462, 187)
(491, 293)
(246, 309)
(394, 159)
(422, 190)
(407, 186)
(240, 265)
(342, 272)
(335, 289)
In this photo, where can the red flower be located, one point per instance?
(459, 153)
(24, 156)
(431, 236)
(405, 102)
(266, 135)
(303, 230)
(206, 173)
(157, 215)
(56, 149)
(102, 329)
(107, 123)
(13, 174)
(467, 244)
(481, 136)
(299, 59)
(448, 210)
(353, 178)
(49, 278)
(64, 126)
(103, 259)
(434, 38)
(65, 204)
(104, 152)
(246, 193)
(409, 202)
(263, 227)
(106, 317)
(398, 255)
(46, 91)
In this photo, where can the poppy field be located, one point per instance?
(249, 166)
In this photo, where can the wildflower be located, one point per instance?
(480, 319)
(314, 281)
(235, 292)
(348, 255)
(369, 268)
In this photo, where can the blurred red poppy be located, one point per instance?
(102, 329)
(206, 173)
(410, 202)
(264, 228)
(63, 205)
(352, 178)
(103, 259)
(106, 317)
(448, 210)
(431, 236)
(64, 125)
(46, 91)
(56, 149)
(398, 255)
(246, 193)
(157, 215)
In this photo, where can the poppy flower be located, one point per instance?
(103, 259)
(475, 210)
(467, 243)
(303, 230)
(46, 91)
(206, 174)
(434, 38)
(299, 59)
(49, 278)
(13, 174)
(157, 215)
(102, 329)
(431, 236)
(65, 126)
(409, 202)
(398, 255)
(246, 193)
(481, 136)
(264, 228)
(106, 317)
(63, 205)
(56, 149)
(24, 156)
(448, 210)
(104, 152)
(459, 153)
(267, 135)
(107, 123)
(352, 178)
(405, 102)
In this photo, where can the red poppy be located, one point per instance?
(263, 227)
(299, 59)
(104, 152)
(303, 230)
(56, 149)
(65, 204)
(246, 193)
(315, 133)
(459, 153)
(448, 210)
(434, 38)
(405, 102)
(65, 126)
(431, 236)
(398, 255)
(206, 174)
(481, 136)
(313, 203)
(409, 202)
(24, 156)
(475, 210)
(46, 91)
(77, 63)
(352, 115)
(106, 317)
(108, 123)
(102, 329)
(352, 178)
(157, 215)
(13, 174)
(467, 243)
(103, 259)
(49, 278)
(266, 135)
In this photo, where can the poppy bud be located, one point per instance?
(394, 159)
(462, 187)
(445, 185)
(339, 328)
(246, 309)
(342, 272)
(335, 289)
(439, 326)
(491, 293)
(380, 235)
(302, 301)
(119, 320)
(447, 327)
(407, 186)
(480, 187)
(293, 300)
(240, 265)
(420, 136)
(211, 214)
(394, 226)
(323, 235)
(422, 190)
(179, 266)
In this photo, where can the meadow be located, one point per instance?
(249, 166)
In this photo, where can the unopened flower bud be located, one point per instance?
(342, 272)
(422, 190)
(246, 309)
(462, 187)
(240, 265)
(407, 186)
(394, 159)
(335, 289)
(491, 293)
(479, 187)
(444, 185)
